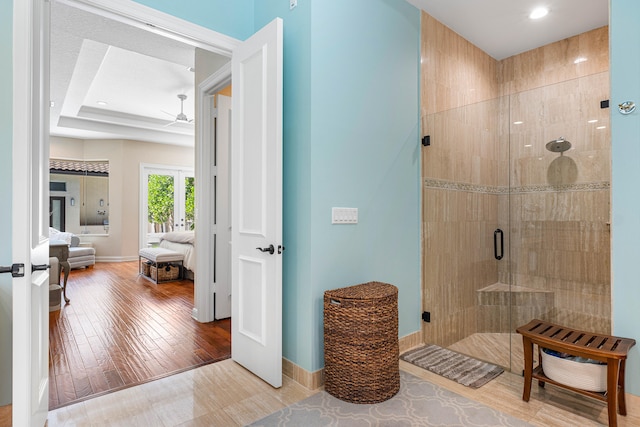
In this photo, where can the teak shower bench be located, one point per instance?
(603, 348)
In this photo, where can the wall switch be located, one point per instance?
(292, 4)
(344, 215)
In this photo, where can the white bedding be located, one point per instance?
(181, 242)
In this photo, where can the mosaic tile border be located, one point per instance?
(488, 189)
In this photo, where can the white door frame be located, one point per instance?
(204, 310)
(139, 16)
(146, 18)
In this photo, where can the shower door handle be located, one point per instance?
(497, 255)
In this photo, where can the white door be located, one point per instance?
(256, 194)
(30, 219)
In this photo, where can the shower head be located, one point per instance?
(559, 145)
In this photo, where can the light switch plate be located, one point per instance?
(344, 215)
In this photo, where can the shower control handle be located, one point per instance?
(497, 255)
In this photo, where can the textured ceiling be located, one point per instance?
(137, 74)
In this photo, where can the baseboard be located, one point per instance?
(116, 258)
(314, 380)
(410, 341)
(310, 380)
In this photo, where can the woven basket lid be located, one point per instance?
(364, 291)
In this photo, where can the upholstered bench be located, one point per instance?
(160, 264)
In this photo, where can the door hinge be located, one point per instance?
(16, 270)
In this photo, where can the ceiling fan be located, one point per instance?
(181, 117)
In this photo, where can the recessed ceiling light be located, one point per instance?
(538, 13)
(593, 121)
(518, 123)
(579, 60)
(102, 102)
(601, 127)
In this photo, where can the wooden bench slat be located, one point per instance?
(586, 340)
(552, 332)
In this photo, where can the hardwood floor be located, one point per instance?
(121, 330)
(5, 416)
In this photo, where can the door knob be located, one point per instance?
(39, 267)
(16, 270)
(270, 249)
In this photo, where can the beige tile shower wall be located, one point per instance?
(571, 110)
(454, 72)
(554, 63)
(566, 251)
(464, 145)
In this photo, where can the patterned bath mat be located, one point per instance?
(462, 369)
(418, 403)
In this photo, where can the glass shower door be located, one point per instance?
(560, 205)
(500, 170)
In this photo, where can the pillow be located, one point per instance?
(60, 236)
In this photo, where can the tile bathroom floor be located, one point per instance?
(225, 394)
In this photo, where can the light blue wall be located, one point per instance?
(351, 75)
(231, 17)
(365, 151)
(625, 136)
(6, 87)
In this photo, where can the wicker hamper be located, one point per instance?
(165, 272)
(146, 268)
(361, 353)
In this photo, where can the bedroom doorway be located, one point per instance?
(167, 202)
(142, 17)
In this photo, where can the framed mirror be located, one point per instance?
(79, 195)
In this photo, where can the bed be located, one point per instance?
(182, 242)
